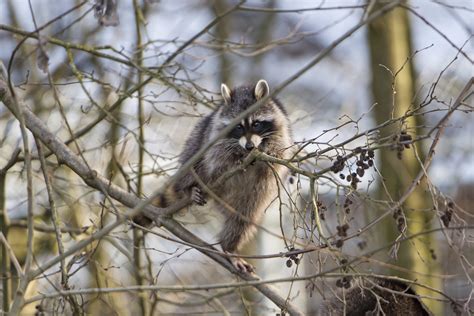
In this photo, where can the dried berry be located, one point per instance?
(371, 153)
(446, 219)
(405, 137)
(360, 172)
(342, 176)
(362, 244)
(401, 224)
(289, 263)
(339, 243)
(347, 285)
(338, 165)
(370, 163)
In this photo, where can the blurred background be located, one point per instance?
(398, 75)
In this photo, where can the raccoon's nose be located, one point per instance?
(249, 146)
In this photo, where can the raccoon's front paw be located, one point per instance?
(198, 196)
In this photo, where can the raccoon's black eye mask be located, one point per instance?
(257, 127)
(262, 127)
(237, 132)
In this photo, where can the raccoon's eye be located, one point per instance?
(262, 127)
(237, 132)
(259, 126)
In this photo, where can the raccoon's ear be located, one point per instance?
(226, 94)
(261, 89)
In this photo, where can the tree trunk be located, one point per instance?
(393, 89)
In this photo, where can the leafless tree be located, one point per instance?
(97, 98)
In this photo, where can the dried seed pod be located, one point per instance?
(362, 244)
(445, 220)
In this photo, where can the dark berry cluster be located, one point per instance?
(448, 214)
(338, 165)
(402, 141)
(347, 204)
(342, 230)
(292, 258)
(345, 282)
(321, 210)
(401, 222)
(364, 162)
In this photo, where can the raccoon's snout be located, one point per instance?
(251, 142)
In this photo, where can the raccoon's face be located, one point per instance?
(265, 129)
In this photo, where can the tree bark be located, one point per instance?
(393, 90)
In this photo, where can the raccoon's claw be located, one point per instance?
(197, 196)
(242, 265)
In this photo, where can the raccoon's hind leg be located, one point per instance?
(240, 264)
(232, 236)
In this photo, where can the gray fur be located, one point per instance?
(361, 300)
(249, 192)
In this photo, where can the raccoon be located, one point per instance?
(248, 192)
